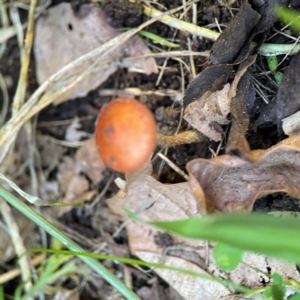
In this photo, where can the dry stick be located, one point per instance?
(17, 242)
(11, 274)
(35, 103)
(186, 137)
(21, 88)
(173, 166)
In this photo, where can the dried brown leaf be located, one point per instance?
(75, 186)
(205, 81)
(63, 35)
(228, 46)
(206, 113)
(155, 201)
(229, 183)
(89, 160)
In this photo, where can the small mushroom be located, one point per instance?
(125, 134)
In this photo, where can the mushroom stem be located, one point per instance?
(186, 137)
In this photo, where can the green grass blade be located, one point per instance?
(53, 231)
(287, 15)
(131, 261)
(278, 237)
(158, 39)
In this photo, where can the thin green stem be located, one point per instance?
(53, 231)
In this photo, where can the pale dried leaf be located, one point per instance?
(158, 201)
(67, 171)
(89, 160)
(206, 113)
(50, 152)
(189, 287)
(73, 134)
(270, 265)
(74, 34)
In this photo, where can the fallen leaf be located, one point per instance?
(89, 160)
(74, 34)
(253, 20)
(227, 48)
(75, 185)
(230, 183)
(50, 152)
(208, 113)
(287, 98)
(190, 287)
(154, 201)
(205, 81)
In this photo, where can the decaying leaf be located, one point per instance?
(152, 200)
(211, 110)
(205, 81)
(230, 183)
(239, 108)
(287, 98)
(75, 185)
(156, 200)
(189, 287)
(229, 45)
(89, 160)
(253, 20)
(208, 113)
(71, 35)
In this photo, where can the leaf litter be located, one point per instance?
(220, 96)
(76, 34)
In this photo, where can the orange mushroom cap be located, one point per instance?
(125, 134)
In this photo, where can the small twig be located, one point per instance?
(11, 274)
(181, 25)
(186, 137)
(21, 88)
(173, 166)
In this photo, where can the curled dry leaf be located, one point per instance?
(74, 34)
(230, 183)
(207, 113)
(211, 110)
